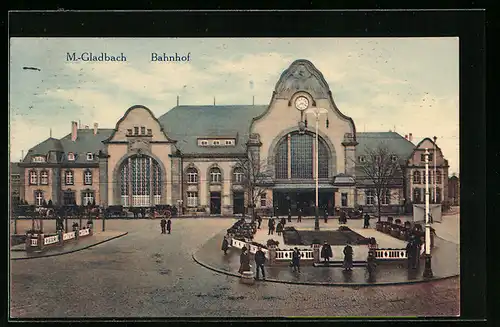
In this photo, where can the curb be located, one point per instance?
(228, 273)
(72, 251)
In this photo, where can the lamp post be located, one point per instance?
(435, 179)
(428, 269)
(316, 111)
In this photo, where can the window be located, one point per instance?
(204, 142)
(87, 177)
(229, 142)
(38, 198)
(38, 159)
(385, 197)
(69, 197)
(417, 179)
(192, 175)
(71, 156)
(215, 175)
(370, 197)
(150, 131)
(68, 178)
(438, 195)
(87, 197)
(361, 159)
(238, 175)
(429, 177)
(44, 178)
(129, 131)
(33, 178)
(438, 176)
(263, 200)
(143, 130)
(136, 130)
(344, 199)
(216, 142)
(422, 157)
(192, 199)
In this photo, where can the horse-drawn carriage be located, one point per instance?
(115, 211)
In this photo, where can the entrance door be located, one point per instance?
(238, 202)
(215, 203)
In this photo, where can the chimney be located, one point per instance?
(411, 137)
(74, 130)
(177, 100)
(406, 136)
(253, 100)
(96, 126)
(22, 155)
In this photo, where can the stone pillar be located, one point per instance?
(103, 179)
(176, 178)
(56, 186)
(60, 234)
(40, 241)
(272, 254)
(349, 144)
(316, 248)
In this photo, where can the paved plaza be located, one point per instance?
(147, 274)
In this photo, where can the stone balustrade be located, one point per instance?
(39, 241)
(391, 254)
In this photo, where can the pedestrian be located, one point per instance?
(244, 260)
(259, 221)
(163, 223)
(326, 252)
(260, 259)
(296, 259)
(299, 216)
(371, 263)
(279, 228)
(289, 215)
(169, 225)
(270, 224)
(366, 223)
(283, 222)
(348, 252)
(326, 216)
(225, 245)
(411, 253)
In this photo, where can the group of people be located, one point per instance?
(272, 226)
(166, 225)
(260, 260)
(327, 253)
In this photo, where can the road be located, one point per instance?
(147, 274)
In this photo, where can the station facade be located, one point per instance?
(189, 156)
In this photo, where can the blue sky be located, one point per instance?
(407, 84)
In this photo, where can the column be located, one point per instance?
(103, 180)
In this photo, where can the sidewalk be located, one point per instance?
(445, 263)
(18, 252)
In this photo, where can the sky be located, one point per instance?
(407, 85)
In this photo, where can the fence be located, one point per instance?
(54, 239)
(287, 254)
(391, 254)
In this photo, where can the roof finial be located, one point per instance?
(177, 100)
(50, 133)
(253, 100)
(22, 155)
(214, 101)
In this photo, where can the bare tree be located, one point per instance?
(253, 178)
(381, 170)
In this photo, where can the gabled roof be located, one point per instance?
(50, 144)
(395, 143)
(188, 123)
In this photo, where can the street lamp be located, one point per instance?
(428, 269)
(316, 111)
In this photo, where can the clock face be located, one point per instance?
(301, 103)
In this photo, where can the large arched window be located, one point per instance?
(215, 175)
(300, 149)
(140, 182)
(238, 175)
(192, 175)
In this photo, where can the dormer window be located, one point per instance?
(204, 142)
(90, 156)
(136, 130)
(229, 142)
(129, 131)
(216, 142)
(362, 159)
(71, 156)
(38, 159)
(143, 130)
(150, 131)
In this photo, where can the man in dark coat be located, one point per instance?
(270, 224)
(371, 263)
(283, 222)
(366, 223)
(348, 253)
(326, 216)
(260, 259)
(299, 216)
(296, 259)
(244, 261)
(326, 252)
(163, 223)
(259, 221)
(279, 228)
(225, 245)
(169, 225)
(411, 253)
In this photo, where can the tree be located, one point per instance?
(254, 178)
(381, 170)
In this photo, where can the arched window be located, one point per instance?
(417, 179)
(370, 197)
(300, 149)
(140, 182)
(69, 178)
(238, 175)
(215, 175)
(33, 178)
(44, 177)
(192, 175)
(87, 177)
(438, 176)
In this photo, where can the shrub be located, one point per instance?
(272, 242)
(398, 221)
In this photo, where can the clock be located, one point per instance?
(301, 103)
